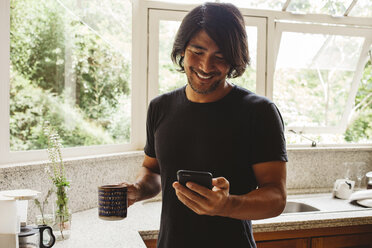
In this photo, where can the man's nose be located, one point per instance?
(206, 64)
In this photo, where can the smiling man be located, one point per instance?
(205, 67)
(212, 125)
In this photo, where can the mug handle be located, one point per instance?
(52, 240)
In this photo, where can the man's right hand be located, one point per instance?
(132, 193)
(147, 183)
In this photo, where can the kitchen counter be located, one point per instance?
(90, 231)
(143, 221)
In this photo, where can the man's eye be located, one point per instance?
(220, 58)
(197, 53)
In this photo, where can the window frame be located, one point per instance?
(4, 79)
(304, 28)
(141, 84)
(155, 16)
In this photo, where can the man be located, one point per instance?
(212, 125)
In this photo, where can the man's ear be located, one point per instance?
(183, 54)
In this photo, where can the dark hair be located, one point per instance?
(224, 23)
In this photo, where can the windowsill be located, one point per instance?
(351, 147)
(86, 159)
(124, 155)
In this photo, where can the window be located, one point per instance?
(163, 75)
(362, 8)
(69, 64)
(316, 79)
(91, 68)
(254, 78)
(169, 79)
(260, 4)
(310, 66)
(320, 6)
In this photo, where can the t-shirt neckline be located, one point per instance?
(224, 98)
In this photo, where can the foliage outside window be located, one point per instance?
(169, 78)
(67, 70)
(312, 84)
(360, 123)
(70, 64)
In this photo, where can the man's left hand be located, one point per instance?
(202, 200)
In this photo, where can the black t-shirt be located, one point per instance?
(226, 138)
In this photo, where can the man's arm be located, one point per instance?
(265, 202)
(147, 184)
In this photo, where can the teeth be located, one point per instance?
(203, 76)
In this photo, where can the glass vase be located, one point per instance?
(62, 221)
(45, 206)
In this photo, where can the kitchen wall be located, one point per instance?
(316, 169)
(308, 171)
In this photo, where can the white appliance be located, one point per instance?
(13, 214)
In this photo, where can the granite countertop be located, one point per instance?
(143, 221)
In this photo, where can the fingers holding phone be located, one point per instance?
(220, 183)
(198, 195)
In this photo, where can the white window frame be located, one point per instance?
(4, 79)
(363, 32)
(155, 16)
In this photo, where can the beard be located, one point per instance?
(201, 90)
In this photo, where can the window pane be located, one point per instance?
(363, 8)
(170, 78)
(359, 129)
(70, 65)
(183, 1)
(313, 77)
(248, 79)
(259, 4)
(320, 6)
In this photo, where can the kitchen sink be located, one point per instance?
(298, 207)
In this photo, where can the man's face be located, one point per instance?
(205, 66)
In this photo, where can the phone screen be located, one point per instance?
(202, 178)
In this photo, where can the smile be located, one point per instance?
(204, 77)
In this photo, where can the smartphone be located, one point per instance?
(202, 178)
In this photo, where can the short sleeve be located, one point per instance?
(150, 127)
(268, 143)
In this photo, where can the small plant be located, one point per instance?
(58, 177)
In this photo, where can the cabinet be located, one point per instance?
(150, 243)
(287, 243)
(330, 237)
(350, 241)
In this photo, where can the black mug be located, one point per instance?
(112, 202)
